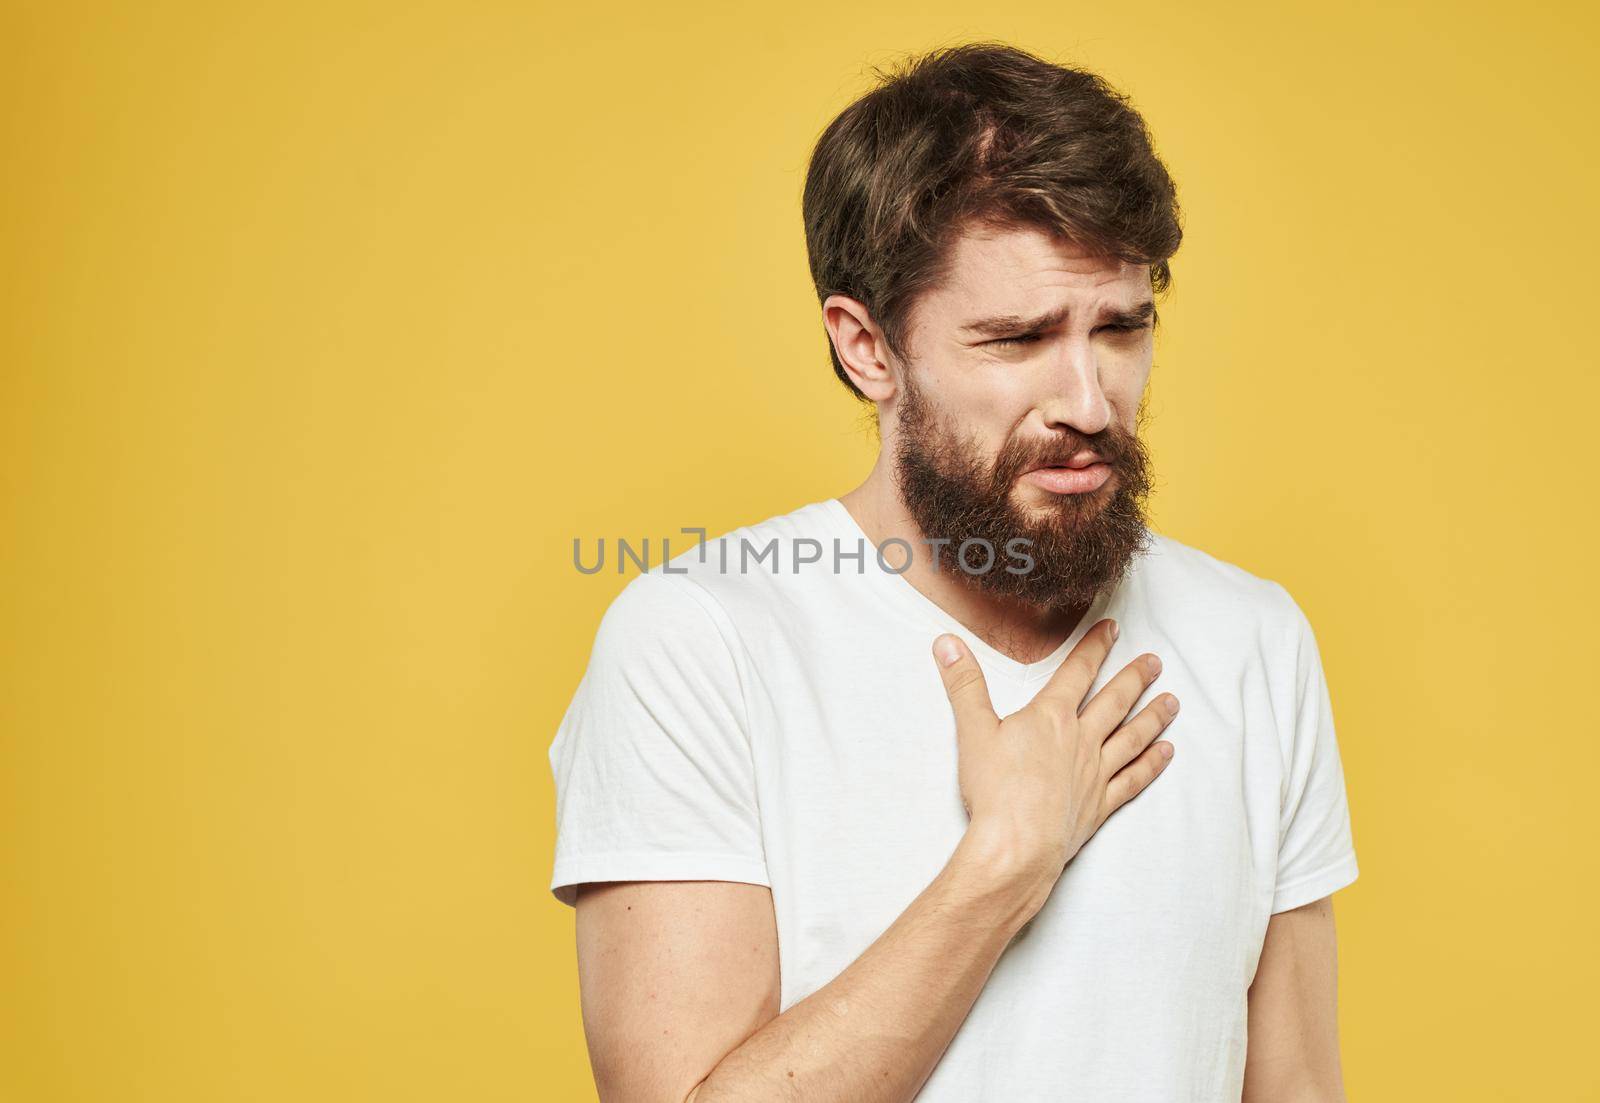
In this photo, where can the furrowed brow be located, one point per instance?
(1005, 325)
(1002, 325)
(1138, 316)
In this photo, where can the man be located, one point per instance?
(810, 860)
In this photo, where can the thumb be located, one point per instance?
(965, 685)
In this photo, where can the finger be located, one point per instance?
(1104, 712)
(1128, 741)
(965, 685)
(1077, 671)
(1132, 779)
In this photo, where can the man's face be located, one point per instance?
(1018, 415)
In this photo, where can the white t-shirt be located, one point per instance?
(780, 722)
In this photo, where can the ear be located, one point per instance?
(860, 346)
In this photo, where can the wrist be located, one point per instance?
(1012, 876)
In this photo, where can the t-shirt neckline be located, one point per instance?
(907, 597)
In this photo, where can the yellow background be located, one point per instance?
(326, 327)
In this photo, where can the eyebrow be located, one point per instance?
(1004, 325)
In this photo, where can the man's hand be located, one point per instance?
(1042, 781)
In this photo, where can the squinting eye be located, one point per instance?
(1032, 338)
(1025, 339)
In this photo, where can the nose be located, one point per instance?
(1074, 398)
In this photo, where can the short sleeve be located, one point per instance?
(653, 773)
(1316, 852)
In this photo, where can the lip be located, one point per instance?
(1070, 480)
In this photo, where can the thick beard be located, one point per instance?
(1080, 543)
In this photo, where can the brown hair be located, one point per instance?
(983, 132)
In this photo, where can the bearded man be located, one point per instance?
(813, 861)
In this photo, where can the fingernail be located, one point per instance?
(1166, 750)
(1116, 630)
(947, 649)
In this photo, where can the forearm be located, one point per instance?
(876, 1031)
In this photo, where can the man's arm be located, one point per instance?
(680, 987)
(1293, 1054)
(674, 974)
(679, 982)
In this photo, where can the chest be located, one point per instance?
(860, 807)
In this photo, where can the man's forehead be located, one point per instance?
(995, 277)
(1011, 258)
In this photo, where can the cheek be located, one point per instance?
(1125, 385)
(982, 407)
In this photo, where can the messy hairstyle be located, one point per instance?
(977, 134)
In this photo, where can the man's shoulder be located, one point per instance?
(768, 546)
(1183, 576)
(692, 597)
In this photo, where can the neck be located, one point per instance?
(1025, 632)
